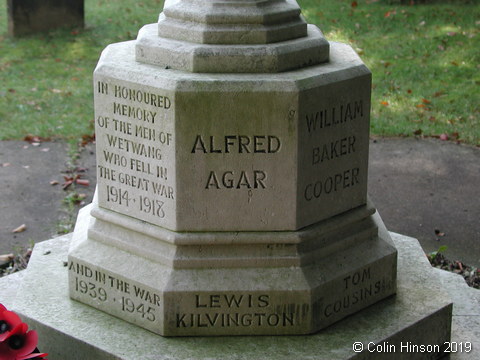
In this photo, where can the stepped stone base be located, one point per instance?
(249, 58)
(419, 314)
(231, 283)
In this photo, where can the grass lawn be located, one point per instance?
(425, 61)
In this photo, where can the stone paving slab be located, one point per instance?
(419, 185)
(26, 195)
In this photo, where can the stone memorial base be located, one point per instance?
(419, 314)
(32, 16)
(230, 283)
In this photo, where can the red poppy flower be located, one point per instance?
(15, 342)
(20, 344)
(8, 321)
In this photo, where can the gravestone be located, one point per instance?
(32, 16)
(232, 149)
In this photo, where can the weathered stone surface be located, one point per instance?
(231, 37)
(246, 58)
(31, 16)
(267, 283)
(419, 313)
(239, 22)
(465, 316)
(232, 201)
(231, 152)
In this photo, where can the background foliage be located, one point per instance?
(425, 61)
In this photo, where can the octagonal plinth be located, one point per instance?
(238, 22)
(268, 283)
(231, 152)
(243, 36)
(247, 58)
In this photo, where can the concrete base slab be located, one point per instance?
(420, 314)
(466, 315)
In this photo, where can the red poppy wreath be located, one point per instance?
(16, 342)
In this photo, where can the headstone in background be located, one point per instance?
(32, 16)
(232, 153)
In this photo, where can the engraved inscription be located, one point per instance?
(231, 300)
(334, 116)
(136, 146)
(240, 144)
(237, 180)
(360, 287)
(335, 138)
(134, 112)
(131, 299)
(144, 204)
(142, 97)
(234, 319)
(133, 147)
(332, 184)
(94, 291)
(234, 310)
(333, 149)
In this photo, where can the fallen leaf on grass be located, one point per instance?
(384, 103)
(35, 139)
(389, 13)
(418, 132)
(86, 139)
(444, 137)
(20, 229)
(425, 101)
(354, 4)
